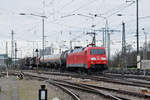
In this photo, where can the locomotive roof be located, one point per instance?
(95, 47)
(85, 48)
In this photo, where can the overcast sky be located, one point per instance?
(61, 21)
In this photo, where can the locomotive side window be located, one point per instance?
(85, 52)
(97, 51)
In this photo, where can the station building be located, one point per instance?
(3, 58)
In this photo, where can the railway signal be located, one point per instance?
(42, 93)
(37, 58)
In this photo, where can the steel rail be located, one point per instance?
(90, 90)
(73, 95)
(108, 89)
(69, 92)
(103, 78)
(129, 76)
(83, 88)
(123, 82)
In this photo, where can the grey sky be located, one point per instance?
(28, 28)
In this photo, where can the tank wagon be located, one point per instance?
(56, 60)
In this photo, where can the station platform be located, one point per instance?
(27, 89)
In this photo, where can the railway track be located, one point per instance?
(87, 89)
(105, 78)
(106, 74)
(110, 78)
(130, 78)
(97, 90)
(142, 77)
(69, 92)
(120, 81)
(98, 78)
(107, 89)
(73, 95)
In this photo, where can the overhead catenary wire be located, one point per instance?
(132, 21)
(83, 6)
(120, 9)
(50, 2)
(77, 9)
(67, 4)
(145, 17)
(70, 26)
(114, 9)
(80, 8)
(79, 36)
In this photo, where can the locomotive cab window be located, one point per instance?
(97, 51)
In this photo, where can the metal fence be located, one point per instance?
(145, 64)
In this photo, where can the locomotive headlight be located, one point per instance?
(103, 58)
(93, 58)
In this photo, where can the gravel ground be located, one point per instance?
(88, 96)
(13, 89)
(113, 86)
(98, 83)
(102, 84)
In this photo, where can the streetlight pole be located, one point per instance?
(106, 36)
(137, 18)
(123, 61)
(43, 32)
(145, 49)
(124, 65)
(43, 37)
(106, 29)
(137, 33)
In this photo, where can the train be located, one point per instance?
(79, 58)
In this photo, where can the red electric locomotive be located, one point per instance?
(87, 58)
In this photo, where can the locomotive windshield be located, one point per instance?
(97, 51)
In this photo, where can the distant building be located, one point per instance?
(3, 58)
(148, 47)
(47, 51)
(148, 51)
(148, 55)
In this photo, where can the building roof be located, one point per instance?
(3, 56)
